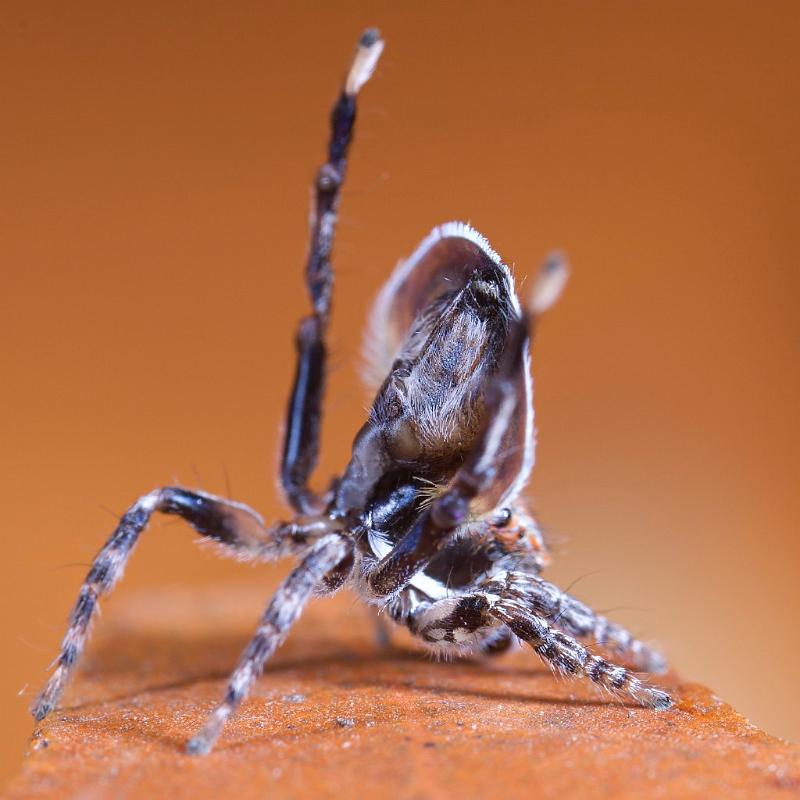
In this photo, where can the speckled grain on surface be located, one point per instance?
(336, 716)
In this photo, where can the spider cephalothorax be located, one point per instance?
(426, 521)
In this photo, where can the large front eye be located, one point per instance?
(402, 442)
(502, 518)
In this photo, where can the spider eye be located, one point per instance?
(502, 518)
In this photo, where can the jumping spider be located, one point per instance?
(426, 522)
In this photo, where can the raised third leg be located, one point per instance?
(303, 415)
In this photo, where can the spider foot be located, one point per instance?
(204, 740)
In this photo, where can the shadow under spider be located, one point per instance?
(191, 658)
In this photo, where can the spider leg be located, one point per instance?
(238, 529)
(481, 618)
(568, 656)
(327, 556)
(577, 619)
(304, 412)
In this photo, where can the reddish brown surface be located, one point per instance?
(334, 716)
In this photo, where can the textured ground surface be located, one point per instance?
(335, 716)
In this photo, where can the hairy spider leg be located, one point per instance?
(577, 619)
(325, 558)
(236, 528)
(304, 411)
(567, 656)
(481, 617)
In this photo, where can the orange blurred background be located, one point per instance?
(156, 161)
